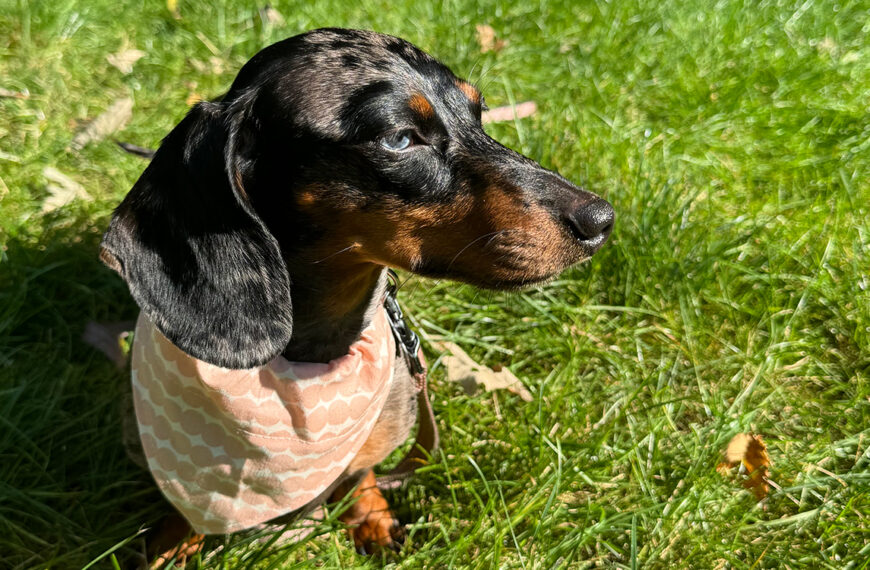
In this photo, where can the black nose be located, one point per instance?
(592, 223)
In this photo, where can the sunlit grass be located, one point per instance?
(733, 140)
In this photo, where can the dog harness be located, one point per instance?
(231, 449)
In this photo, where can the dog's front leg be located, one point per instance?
(372, 524)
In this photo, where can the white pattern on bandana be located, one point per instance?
(231, 449)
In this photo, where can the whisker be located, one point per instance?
(351, 246)
(490, 235)
(401, 283)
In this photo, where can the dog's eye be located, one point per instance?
(397, 141)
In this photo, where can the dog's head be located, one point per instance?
(344, 145)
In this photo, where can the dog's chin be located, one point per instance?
(495, 280)
(520, 284)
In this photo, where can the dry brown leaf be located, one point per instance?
(509, 113)
(749, 452)
(109, 122)
(61, 190)
(214, 66)
(464, 370)
(487, 39)
(124, 59)
(270, 16)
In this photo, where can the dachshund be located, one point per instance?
(262, 230)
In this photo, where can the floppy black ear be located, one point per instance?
(196, 257)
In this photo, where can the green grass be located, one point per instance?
(733, 139)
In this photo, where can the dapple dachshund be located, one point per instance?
(257, 243)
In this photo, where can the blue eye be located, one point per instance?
(397, 141)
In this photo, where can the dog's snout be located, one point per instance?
(591, 223)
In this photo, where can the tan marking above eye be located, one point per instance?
(469, 91)
(308, 196)
(421, 106)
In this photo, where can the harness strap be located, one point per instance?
(408, 345)
(427, 436)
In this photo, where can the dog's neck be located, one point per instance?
(331, 308)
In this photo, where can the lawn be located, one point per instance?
(733, 140)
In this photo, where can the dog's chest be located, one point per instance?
(234, 448)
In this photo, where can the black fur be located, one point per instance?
(197, 259)
(287, 180)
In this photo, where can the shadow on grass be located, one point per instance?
(67, 490)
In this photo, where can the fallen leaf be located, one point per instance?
(487, 39)
(827, 46)
(172, 6)
(110, 121)
(61, 190)
(124, 59)
(192, 96)
(270, 16)
(463, 370)
(750, 453)
(509, 113)
(25, 94)
(214, 66)
(112, 339)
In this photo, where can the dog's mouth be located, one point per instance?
(503, 239)
(513, 261)
(497, 279)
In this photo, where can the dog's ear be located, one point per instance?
(196, 257)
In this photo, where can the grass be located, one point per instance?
(733, 139)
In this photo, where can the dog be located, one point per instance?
(262, 231)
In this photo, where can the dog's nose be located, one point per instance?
(591, 223)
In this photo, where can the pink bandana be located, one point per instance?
(231, 449)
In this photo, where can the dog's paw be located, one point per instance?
(173, 539)
(371, 525)
(380, 530)
(180, 553)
